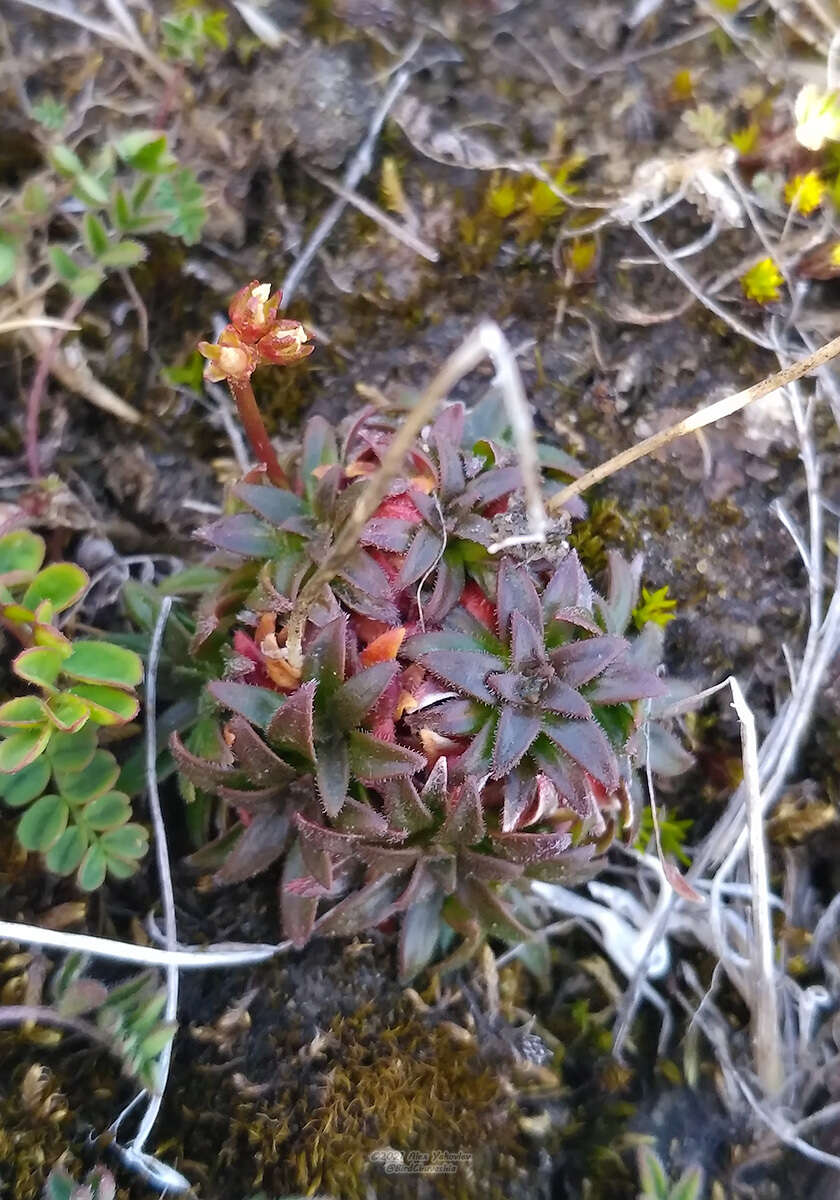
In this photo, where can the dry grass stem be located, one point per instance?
(396, 230)
(704, 416)
(765, 1008)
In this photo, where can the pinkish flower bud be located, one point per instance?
(229, 357)
(287, 342)
(253, 310)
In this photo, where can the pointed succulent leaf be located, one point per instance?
(388, 533)
(481, 637)
(24, 712)
(17, 790)
(567, 777)
(107, 705)
(567, 588)
(319, 449)
(298, 911)
(320, 837)
(490, 486)
(495, 917)
(332, 772)
(477, 759)
(464, 824)
(454, 718)
(667, 754)
(21, 552)
(487, 867)
(60, 583)
(292, 726)
(22, 748)
(325, 657)
(515, 592)
(419, 935)
(102, 662)
(43, 823)
(424, 554)
(406, 810)
(652, 1175)
(436, 788)
(526, 643)
(205, 773)
(515, 733)
(262, 843)
(530, 848)
(257, 705)
(579, 662)
(97, 777)
(258, 761)
(364, 909)
(688, 1186)
(364, 573)
(556, 632)
(623, 681)
(355, 698)
(586, 743)
(251, 800)
(623, 591)
(449, 585)
(466, 670)
(373, 759)
(275, 504)
(558, 697)
(242, 534)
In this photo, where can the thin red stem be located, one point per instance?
(252, 423)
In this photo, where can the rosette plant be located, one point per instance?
(438, 723)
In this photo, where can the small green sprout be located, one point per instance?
(656, 1185)
(654, 607)
(50, 113)
(672, 834)
(188, 33)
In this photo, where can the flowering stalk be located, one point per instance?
(255, 431)
(254, 337)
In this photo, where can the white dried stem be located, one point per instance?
(356, 171)
(765, 1009)
(396, 230)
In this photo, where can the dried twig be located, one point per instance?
(356, 171)
(766, 1040)
(396, 230)
(704, 416)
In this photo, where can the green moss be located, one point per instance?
(405, 1086)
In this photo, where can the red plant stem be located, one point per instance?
(252, 423)
(39, 383)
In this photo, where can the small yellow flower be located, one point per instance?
(502, 199)
(805, 192)
(580, 255)
(655, 608)
(762, 282)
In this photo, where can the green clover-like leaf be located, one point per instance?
(60, 583)
(21, 551)
(24, 712)
(68, 713)
(43, 823)
(107, 811)
(40, 665)
(96, 778)
(107, 705)
(72, 751)
(65, 854)
(93, 868)
(22, 748)
(103, 662)
(26, 784)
